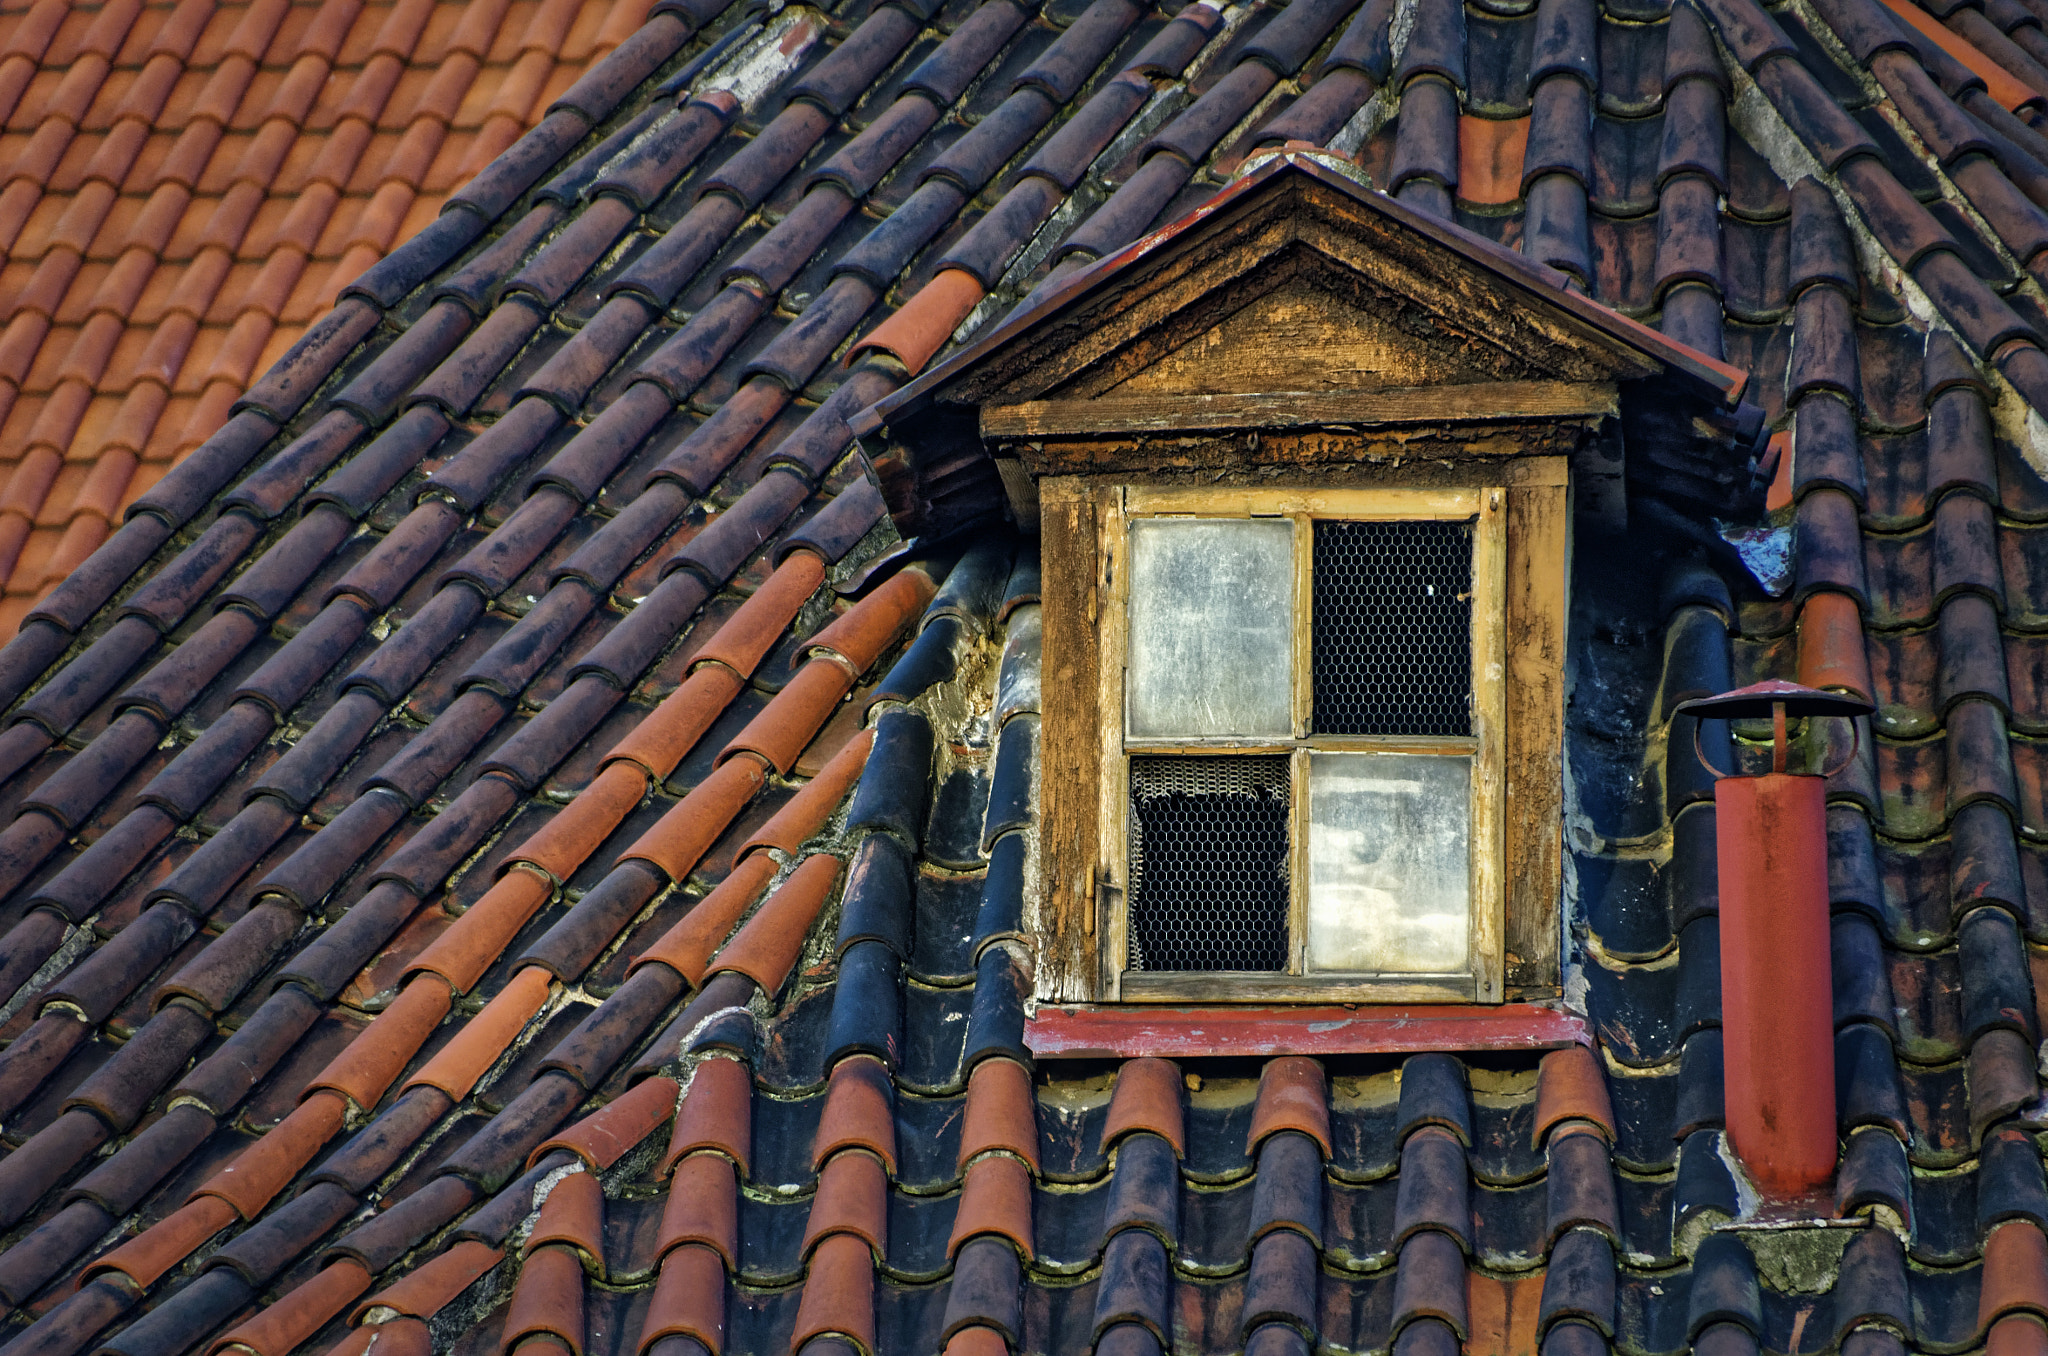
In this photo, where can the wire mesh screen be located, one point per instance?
(1393, 628)
(1209, 842)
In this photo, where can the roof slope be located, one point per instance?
(188, 185)
(502, 848)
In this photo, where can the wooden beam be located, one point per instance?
(1089, 1032)
(1474, 402)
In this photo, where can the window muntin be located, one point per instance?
(1390, 741)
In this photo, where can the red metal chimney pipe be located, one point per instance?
(1777, 982)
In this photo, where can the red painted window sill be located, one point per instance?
(1126, 1031)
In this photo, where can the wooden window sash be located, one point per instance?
(1484, 981)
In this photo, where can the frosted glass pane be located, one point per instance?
(1212, 628)
(1390, 887)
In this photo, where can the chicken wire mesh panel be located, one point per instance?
(1209, 863)
(1392, 629)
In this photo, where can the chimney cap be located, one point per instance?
(1759, 700)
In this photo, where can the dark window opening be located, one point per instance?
(1391, 640)
(1209, 863)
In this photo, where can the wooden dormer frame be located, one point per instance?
(1081, 842)
(1418, 359)
(1124, 505)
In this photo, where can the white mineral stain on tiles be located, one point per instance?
(763, 63)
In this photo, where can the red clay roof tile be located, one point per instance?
(575, 832)
(793, 718)
(1831, 646)
(261, 66)
(371, 1063)
(921, 327)
(462, 953)
(717, 1113)
(257, 1174)
(659, 742)
(424, 1291)
(2017, 1335)
(703, 1206)
(687, 947)
(1292, 1096)
(977, 1341)
(485, 1038)
(766, 949)
(603, 1137)
(1001, 1114)
(573, 1215)
(164, 1245)
(805, 813)
(680, 838)
(1572, 1087)
(859, 1112)
(753, 630)
(852, 1198)
(1147, 1097)
(279, 1329)
(996, 1199)
(548, 1299)
(2015, 1273)
(689, 1299)
(860, 636)
(839, 1294)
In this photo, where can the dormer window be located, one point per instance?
(1303, 467)
(1309, 701)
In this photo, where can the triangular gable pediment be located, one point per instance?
(1302, 335)
(1298, 275)
(1297, 297)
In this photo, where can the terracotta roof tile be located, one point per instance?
(461, 954)
(996, 1199)
(806, 812)
(251, 62)
(143, 1259)
(688, 1300)
(424, 1292)
(485, 1038)
(260, 1172)
(852, 1198)
(687, 947)
(310, 1305)
(839, 1293)
(548, 1299)
(858, 1112)
(766, 948)
(573, 1215)
(716, 1114)
(703, 1207)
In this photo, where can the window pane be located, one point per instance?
(1389, 868)
(1393, 628)
(1212, 628)
(1209, 880)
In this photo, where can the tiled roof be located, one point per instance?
(187, 186)
(505, 846)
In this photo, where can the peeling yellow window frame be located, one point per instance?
(1485, 507)
(1520, 550)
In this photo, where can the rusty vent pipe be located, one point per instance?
(1777, 984)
